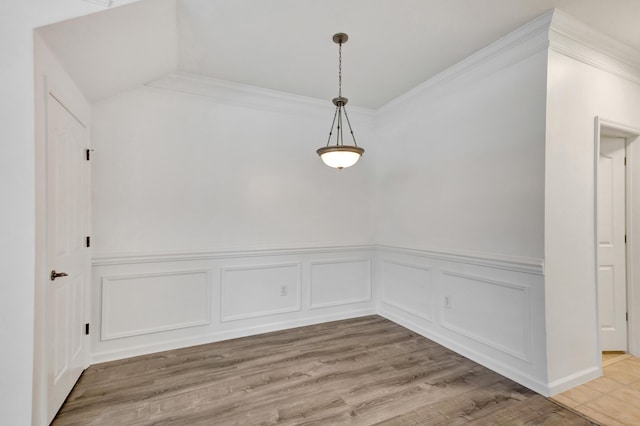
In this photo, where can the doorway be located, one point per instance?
(612, 236)
(617, 235)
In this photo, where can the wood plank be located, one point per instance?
(361, 371)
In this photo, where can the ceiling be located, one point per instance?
(286, 45)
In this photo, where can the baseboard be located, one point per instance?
(224, 335)
(573, 380)
(492, 364)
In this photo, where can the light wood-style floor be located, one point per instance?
(362, 371)
(614, 398)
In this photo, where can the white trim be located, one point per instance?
(367, 298)
(631, 134)
(483, 359)
(297, 307)
(511, 263)
(131, 351)
(526, 354)
(178, 256)
(520, 44)
(341, 303)
(384, 299)
(573, 380)
(408, 310)
(104, 333)
(633, 229)
(596, 160)
(260, 98)
(577, 40)
(616, 129)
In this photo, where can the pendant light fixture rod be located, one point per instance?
(350, 130)
(332, 125)
(340, 69)
(340, 155)
(340, 138)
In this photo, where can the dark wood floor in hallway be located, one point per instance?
(362, 371)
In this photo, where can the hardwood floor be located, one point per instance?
(362, 371)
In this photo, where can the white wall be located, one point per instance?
(218, 170)
(190, 183)
(461, 165)
(17, 186)
(102, 52)
(460, 204)
(583, 83)
(464, 211)
(208, 199)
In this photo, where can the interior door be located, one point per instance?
(612, 281)
(68, 257)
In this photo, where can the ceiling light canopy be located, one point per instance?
(340, 155)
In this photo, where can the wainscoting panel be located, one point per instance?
(409, 288)
(487, 308)
(257, 291)
(149, 303)
(342, 282)
(491, 312)
(479, 305)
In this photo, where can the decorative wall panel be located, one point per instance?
(254, 291)
(491, 312)
(153, 302)
(409, 288)
(340, 282)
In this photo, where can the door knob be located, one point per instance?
(55, 275)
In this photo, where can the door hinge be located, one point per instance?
(625, 161)
(626, 317)
(625, 238)
(86, 329)
(88, 241)
(88, 153)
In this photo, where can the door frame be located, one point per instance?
(632, 196)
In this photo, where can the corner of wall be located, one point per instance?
(589, 75)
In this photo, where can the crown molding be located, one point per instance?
(512, 48)
(245, 95)
(555, 30)
(577, 40)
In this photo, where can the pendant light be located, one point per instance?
(340, 155)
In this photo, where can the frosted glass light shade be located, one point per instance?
(340, 156)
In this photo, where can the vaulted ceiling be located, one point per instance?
(286, 45)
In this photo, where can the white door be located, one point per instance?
(612, 281)
(67, 228)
